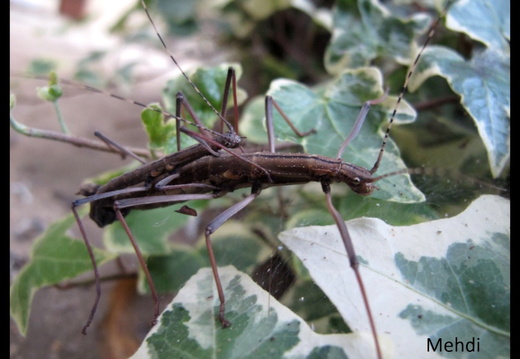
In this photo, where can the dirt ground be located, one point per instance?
(45, 175)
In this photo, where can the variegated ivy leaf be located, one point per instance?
(484, 86)
(485, 21)
(432, 283)
(261, 327)
(55, 257)
(370, 31)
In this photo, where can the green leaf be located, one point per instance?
(172, 266)
(445, 279)
(242, 17)
(41, 66)
(259, 10)
(181, 15)
(319, 13)
(375, 32)
(90, 77)
(161, 132)
(484, 86)
(150, 228)
(485, 21)
(55, 257)
(86, 71)
(172, 270)
(260, 326)
(252, 121)
(105, 177)
(50, 93)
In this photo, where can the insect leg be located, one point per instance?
(359, 122)
(269, 103)
(95, 268)
(141, 260)
(181, 103)
(231, 81)
(123, 150)
(210, 229)
(132, 202)
(354, 263)
(75, 204)
(118, 205)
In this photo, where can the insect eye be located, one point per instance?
(357, 180)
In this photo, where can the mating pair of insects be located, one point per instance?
(214, 168)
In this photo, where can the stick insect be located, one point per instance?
(269, 169)
(197, 164)
(210, 142)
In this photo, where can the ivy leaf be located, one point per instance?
(151, 229)
(161, 132)
(484, 86)
(444, 279)
(484, 21)
(375, 32)
(261, 326)
(55, 257)
(233, 243)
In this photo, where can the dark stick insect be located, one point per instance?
(149, 179)
(152, 179)
(210, 142)
(224, 174)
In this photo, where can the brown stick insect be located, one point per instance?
(222, 174)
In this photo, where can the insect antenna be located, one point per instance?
(219, 114)
(124, 151)
(405, 85)
(137, 103)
